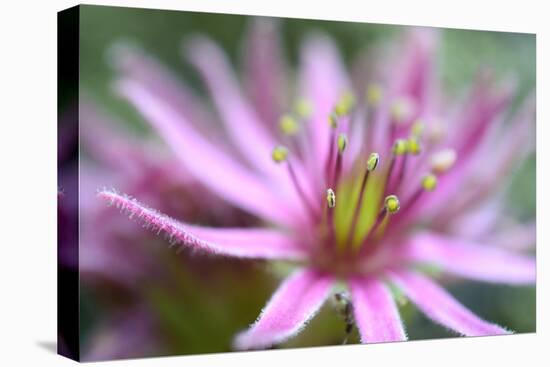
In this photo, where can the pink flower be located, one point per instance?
(369, 185)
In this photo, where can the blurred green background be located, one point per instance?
(161, 32)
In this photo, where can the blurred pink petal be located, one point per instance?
(322, 80)
(441, 307)
(246, 242)
(213, 167)
(265, 77)
(375, 311)
(471, 260)
(295, 302)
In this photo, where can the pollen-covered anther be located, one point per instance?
(372, 162)
(303, 108)
(443, 160)
(401, 110)
(331, 198)
(391, 203)
(279, 154)
(342, 143)
(374, 94)
(288, 125)
(345, 104)
(413, 146)
(429, 182)
(400, 147)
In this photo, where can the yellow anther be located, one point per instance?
(372, 162)
(288, 125)
(342, 143)
(400, 147)
(331, 198)
(374, 94)
(429, 182)
(303, 108)
(401, 110)
(333, 120)
(443, 160)
(392, 204)
(413, 146)
(344, 104)
(279, 154)
(417, 128)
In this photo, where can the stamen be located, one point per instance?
(417, 128)
(288, 125)
(391, 206)
(331, 203)
(413, 146)
(399, 148)
(391, 203)
(374, 94)
(331, 198)
(342, 142)
(401, 110)
(344, 104)
(333, 122)
(372, 163)
(303, 108)
(280, 154)
(443, 160)
(429, 183)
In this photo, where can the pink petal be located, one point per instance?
(375, 312)
(322, 80)
(265, 70)
(441, 307)
(295, 302)
(249, 133)
(243, 125)
(471, 260)
(415, 69)
(237, 242)
(136, 64)
(521, 237)
(208, 163)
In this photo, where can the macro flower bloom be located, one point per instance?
(362, 188)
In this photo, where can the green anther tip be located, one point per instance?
(331, 198)
(413, 146)
(372, 162)
(374, 94)
(400, 147)
(392, 204)
(279, 154)
(342, 143)
(429, 182)
(288, 125)
(333, 120)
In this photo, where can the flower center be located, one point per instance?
(361, 202)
